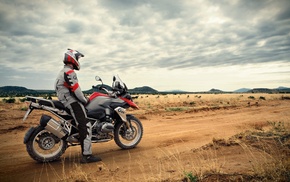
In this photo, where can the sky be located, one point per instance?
(190, 45)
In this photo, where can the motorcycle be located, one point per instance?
(106, 110)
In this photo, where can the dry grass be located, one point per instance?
(191, 102)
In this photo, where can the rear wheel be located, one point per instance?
(43, 146)
(127, 138)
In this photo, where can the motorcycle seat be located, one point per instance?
(56, 104)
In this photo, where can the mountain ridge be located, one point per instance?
(22, 91)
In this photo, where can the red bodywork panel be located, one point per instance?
(131, 103)
(97, 94)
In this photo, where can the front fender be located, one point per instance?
(127, 121)
(28, 134)
(129, 116)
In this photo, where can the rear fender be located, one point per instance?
(28, 134)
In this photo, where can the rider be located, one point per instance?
(70, 94)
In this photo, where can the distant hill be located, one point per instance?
(18, 91)
(283, 89)
(259, 90)
(137, 90)
(15, 91)
(255, 90)
(143, 90)
(22, 91)
(242, 90)
(215, 90)
(264, 90)
(267, 90)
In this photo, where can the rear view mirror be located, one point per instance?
(98, 78)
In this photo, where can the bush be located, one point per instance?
(251, 97)
(10, 100)
(285, 98)
(192, 103)
(190, 177)
(22, 100)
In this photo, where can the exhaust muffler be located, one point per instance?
(52, 125)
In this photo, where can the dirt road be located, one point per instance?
(165, 152)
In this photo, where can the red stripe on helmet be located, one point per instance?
(70, 59)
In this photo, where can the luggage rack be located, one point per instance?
(39, 99)
(52, 106)
(46, 102)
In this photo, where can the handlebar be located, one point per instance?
(110, 93)
(118, 88)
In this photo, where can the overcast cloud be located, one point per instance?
(166, 44)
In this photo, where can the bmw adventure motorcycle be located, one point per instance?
(106, 111)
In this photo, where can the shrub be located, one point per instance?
(285, 98)
(189, 176)
(192, 103)
(251, 97)
(22, 100)
(10, 100)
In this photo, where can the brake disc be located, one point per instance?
(130, 134)
(46, 142)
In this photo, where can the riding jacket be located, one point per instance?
(67, 87)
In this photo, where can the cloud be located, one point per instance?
(169, 35)
(74, 26)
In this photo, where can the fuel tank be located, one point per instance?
(101, 104)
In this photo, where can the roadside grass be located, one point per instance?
(267, 151)
(274, 145)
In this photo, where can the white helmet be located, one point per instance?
(72, 57)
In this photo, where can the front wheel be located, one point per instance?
(127, 138)
(43, 146)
